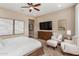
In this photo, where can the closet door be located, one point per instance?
(31, 28)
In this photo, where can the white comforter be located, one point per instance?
(19, 46)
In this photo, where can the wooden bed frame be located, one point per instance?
(38, 52)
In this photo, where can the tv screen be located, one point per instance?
(46, 25)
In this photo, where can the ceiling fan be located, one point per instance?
(32, 6)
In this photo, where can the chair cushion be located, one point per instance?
(54, 37)
(52, 43)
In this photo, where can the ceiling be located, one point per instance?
(44, 8)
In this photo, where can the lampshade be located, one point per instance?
(68, 32)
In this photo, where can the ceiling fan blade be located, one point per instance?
(37, 5)
(25, 7)
(30, 10)
(36, 9)
(29, 3)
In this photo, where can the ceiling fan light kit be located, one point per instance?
(32, 6)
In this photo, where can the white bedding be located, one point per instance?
(19, 46)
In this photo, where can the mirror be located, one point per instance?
(62, 25)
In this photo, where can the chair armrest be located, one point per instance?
(70, 47)
(68, 41)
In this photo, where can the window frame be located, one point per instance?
(23, 27)
(13, 26)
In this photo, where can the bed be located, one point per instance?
(20, 46)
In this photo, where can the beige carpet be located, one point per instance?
(49, 51)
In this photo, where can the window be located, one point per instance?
(19, 27)
(9, 27)
(6, 26)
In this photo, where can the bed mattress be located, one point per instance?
(19, 46)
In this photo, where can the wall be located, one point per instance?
(68, 14)
(5, 13)
(77, 20)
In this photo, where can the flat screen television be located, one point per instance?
(46, 25)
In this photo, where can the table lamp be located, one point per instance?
(69, 34)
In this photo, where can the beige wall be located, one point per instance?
(77, 19)
(5, 13)
(68, 14)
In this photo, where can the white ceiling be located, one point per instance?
(44, 8)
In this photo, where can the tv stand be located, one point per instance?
(44, 35)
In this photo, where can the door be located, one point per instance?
(31, 28)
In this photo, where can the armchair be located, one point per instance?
(71, 46)
(55, 39)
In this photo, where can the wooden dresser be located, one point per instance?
(44, 35)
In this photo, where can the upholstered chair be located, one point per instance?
(71, 46)
(55, 40)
